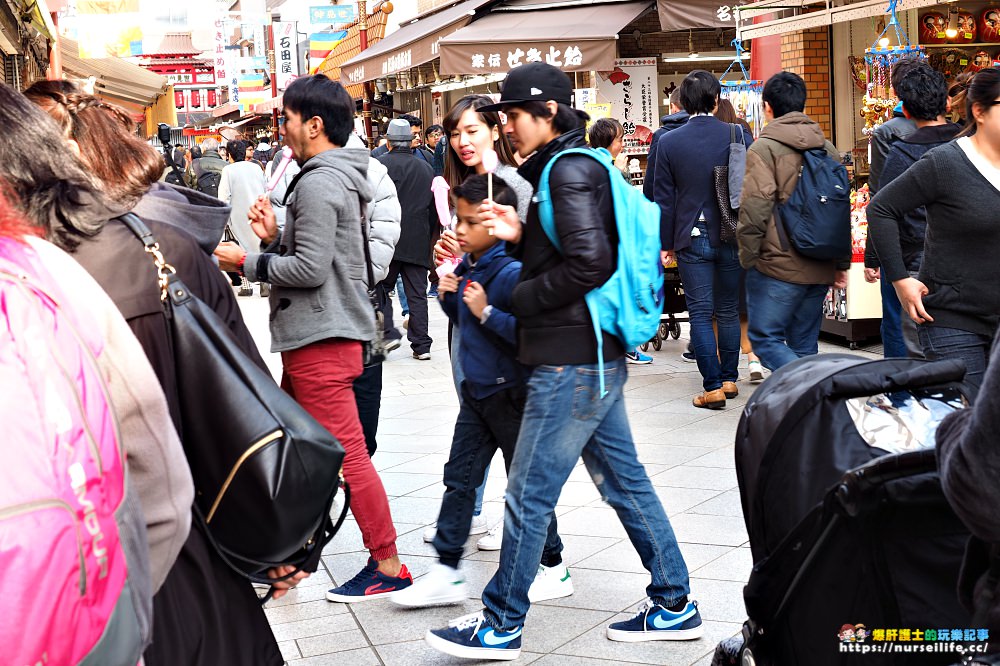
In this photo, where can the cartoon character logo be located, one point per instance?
(846, 633)
(861, 633)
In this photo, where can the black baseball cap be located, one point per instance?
(534, 82)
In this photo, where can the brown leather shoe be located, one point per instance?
(710, 399)
(730, 389)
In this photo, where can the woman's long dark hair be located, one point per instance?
(983, 90)
(454, 171)
(48, 183)
(124, 165)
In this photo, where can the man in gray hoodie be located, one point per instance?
(320, 313)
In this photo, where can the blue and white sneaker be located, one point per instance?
(636, 357)
(469, 637)
(654, 622)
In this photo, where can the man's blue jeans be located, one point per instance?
(564, 418)
(783, 318)
(941, 343)
(711, 279)
(893, 344)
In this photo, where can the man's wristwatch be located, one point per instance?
(487, 311)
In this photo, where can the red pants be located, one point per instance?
(320, 377)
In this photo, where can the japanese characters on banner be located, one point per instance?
(285, 53)
(332, 14)
(569, 56)
(631, 89)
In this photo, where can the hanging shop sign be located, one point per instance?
(332, 14)
(631, 89)
(285, 53)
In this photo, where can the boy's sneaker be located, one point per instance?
(689, 357)
(550, 583)
(392, 344)
(370, 583)
(638, 358)
(470, 637)
(479, 526)
(756, 372)
(655, 622)
(442, 585)
(422, 356)
(493, 540)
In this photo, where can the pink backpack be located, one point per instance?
(74, 571)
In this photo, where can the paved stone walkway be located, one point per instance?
(687, 452)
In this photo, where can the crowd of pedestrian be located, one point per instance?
(340, 229)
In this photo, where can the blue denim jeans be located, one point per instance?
(564, 418)
(893, 344)
(711, 278)
(454, 340)
(783, 318)
(401, 295)
(941, 343)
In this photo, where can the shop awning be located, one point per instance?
(580, 37)
(816, 13)
(41, 20)
(413, 44)
(225, 109)
(687, 14)
(273, 104)
(115, 79)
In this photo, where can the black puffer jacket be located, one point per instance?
(554, 324)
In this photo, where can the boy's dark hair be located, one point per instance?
(675, 98)
(699, 92)
(413, 120)
(474, 189)
(433, 128)
(604, 131)
(237, 150)
(786, 93)
(565, 120)
(923, 92)
(318, 96)
(195, 152)
(900, 69)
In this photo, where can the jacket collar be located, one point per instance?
(531, 170)
(488, 264)
(934, 134)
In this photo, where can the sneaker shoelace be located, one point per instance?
(362, 575)
(496, 529)
(473, 620)
(644, 608)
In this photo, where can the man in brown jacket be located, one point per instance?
(785, 290)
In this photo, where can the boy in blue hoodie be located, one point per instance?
(476, 297)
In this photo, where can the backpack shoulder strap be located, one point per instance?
(543, 196)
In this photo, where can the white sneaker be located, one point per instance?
(756, 372)
(479, 526)
(550, 583)
(493, 540)
(440, 586)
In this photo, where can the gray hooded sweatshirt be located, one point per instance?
(317, 276)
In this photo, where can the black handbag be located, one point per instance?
(265, 471)
(729, 216)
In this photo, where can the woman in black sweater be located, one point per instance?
(956, 298)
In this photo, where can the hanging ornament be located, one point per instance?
(879, 101)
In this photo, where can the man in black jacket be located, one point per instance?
(566, 415)
(677, 118)
(412, 258)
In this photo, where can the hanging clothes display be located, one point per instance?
(879, 100)
(744, 94)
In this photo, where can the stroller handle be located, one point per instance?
(854, 491)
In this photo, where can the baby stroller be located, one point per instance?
(673, 304)
(845, 513)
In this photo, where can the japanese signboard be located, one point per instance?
(286, 53)
(699, 14)
(571, 56)
(332, 14)
(631, 89)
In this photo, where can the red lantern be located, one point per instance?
(932, 27)
(966, 28)
(989, 25)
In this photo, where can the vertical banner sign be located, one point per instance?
(109, 28)
(631, 89)
(222, 72)
(286, 53)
